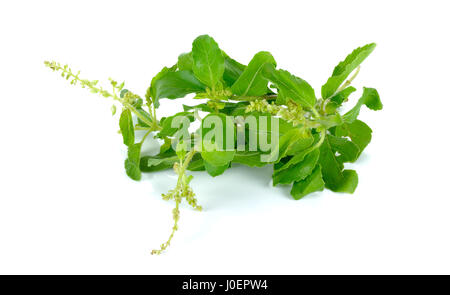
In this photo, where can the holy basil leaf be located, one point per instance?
(209, 63)
(176, 85)
(291, 143)
(344, 68)
(132, 162)
(290, 86)
(310, 184)
(169, 130)
(300, 148)
(252, 82)
(233, 70)
(238, 110)
(348, 151)
(336, 100)
(349, 182)
(146, 115)
(342, 95)
(298, 171)
(331, 121)
(197, 163)
(215, 156)
(202, 107)
(166, 160)
(358, 131)
(234, 109)
(284, 140)
(299, 143)
(151, 91)
(249, 158)
(264, 125)
(185, 61)
(165, 150)
(156, 163)
(295, 158)
(370, 98)
(332, 170)
(214, 170)
(127, 127)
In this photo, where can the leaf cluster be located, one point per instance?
(314, 139)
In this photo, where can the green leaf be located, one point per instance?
(290, 86)
(227, 133)
(166, 148)
(342, 95)
(289, 139)
(204, 107)
(331, 168)
(176, 85)
(344, 68)
(132, 162)
(358, 131)
(349, 182)
(197, 163)
(370, 98)
(310, 184)
(216, 157)
(237, 109)
(233, 70)
(181, 149)
(214, 150)
(185, 61)
(295, 158)
(263, 129)
(331, 121)
(299, 143)
(214, 170)
(298, 171)
(127, 127)
(252, 82)
(156, 163)
(336, 100)
(291, 143)
(209, 63)
(249, 158)
(151, 91)
(168, 130)
(146, 115)
(335, 178)
(234, 109)
(348, 151)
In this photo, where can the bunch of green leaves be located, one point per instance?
(314, 139)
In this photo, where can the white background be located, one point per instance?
(67, 207)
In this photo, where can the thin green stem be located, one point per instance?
(176, 214)
(252, 98)
(349, 81)
(145, 136)
(315, 113)
(321, 140)
(180, 191)
(91, 85)
(154, 113)
(139, 115)
(142, 128)
(188, 159)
